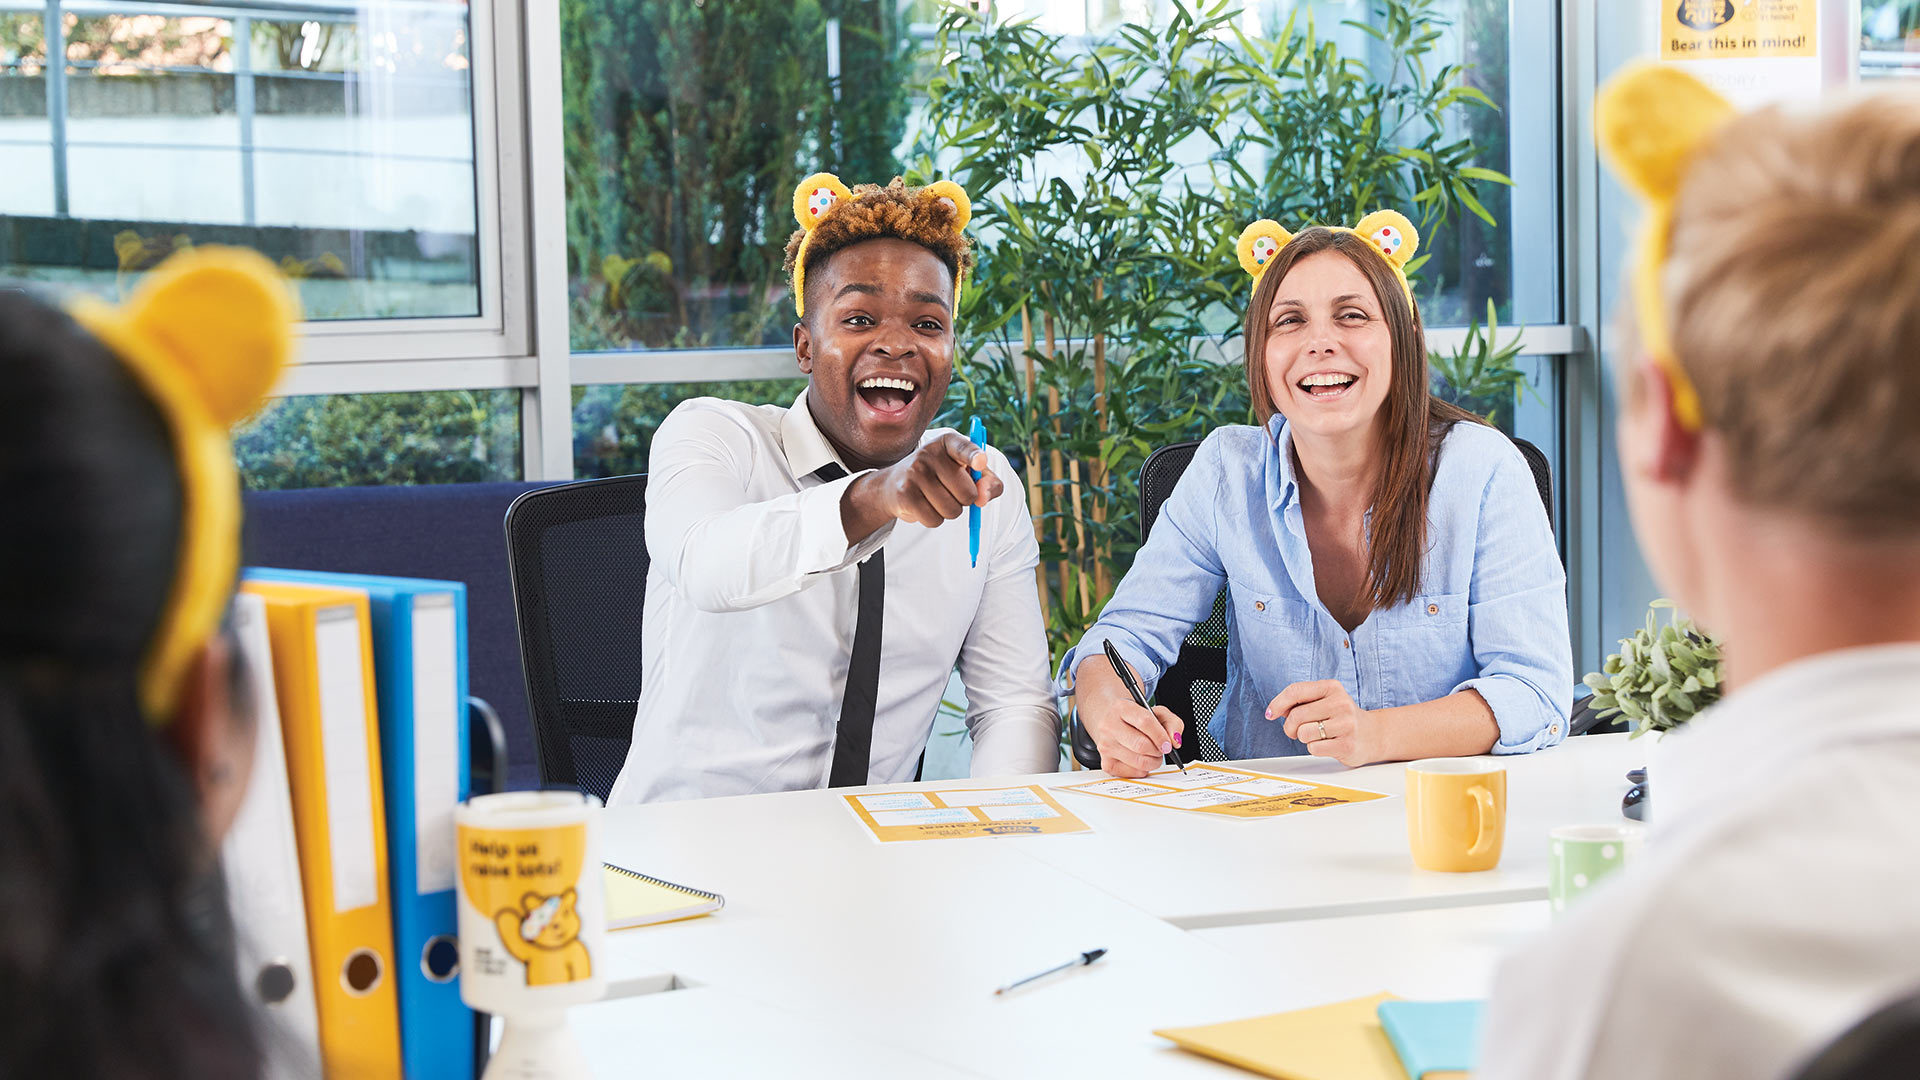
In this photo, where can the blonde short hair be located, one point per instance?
(1794, 293)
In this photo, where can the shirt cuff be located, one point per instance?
(1090, 646)
(1525, 726)
(1015, 741)
(823, 539)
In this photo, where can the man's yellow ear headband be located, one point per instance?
(1649, 120)
(1390, 233)
(822, 193)
(206, 334)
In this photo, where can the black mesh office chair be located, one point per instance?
(578, 557)
(1885, 1044)
(1193, 686)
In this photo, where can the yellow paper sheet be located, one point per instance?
(893, 816)
(1341, 1041)
(1225, 792)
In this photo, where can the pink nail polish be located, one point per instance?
(1176, 739)
(1166, 748)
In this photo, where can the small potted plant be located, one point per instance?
(1660, 679)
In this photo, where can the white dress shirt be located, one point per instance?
(750, 610)
(1776, 903)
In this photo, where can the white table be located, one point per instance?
(1343, 860)
(883, 957)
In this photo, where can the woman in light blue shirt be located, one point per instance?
(1394, 589)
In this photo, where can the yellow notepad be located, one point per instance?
(1342, 1041)
(634, 899)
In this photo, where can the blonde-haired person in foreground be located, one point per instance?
(1770, 444)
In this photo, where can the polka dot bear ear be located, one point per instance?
(954, 196)
(1258, 244)
(1392, 233)
(816, 195)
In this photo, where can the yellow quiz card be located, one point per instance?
(1225, 791)
(893, 816)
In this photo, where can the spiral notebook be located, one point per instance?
(634, 899)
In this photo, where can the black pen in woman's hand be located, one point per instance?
(1121, 669)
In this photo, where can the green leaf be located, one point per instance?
(1475, 172)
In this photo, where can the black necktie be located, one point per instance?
(853, 741)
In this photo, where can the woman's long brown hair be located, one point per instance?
(1414, 421)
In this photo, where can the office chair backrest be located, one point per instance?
(1885, 1044)
(578, 555)
(1542, 472)
(1193, 686)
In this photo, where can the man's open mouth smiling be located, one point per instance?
(887, 397)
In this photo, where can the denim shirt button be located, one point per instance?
(1433, 609)
(1346, 643)
(1259, 605)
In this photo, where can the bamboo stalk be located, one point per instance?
(1035, 508)
(1058, 470)
(1080, 539)
(1102, 574)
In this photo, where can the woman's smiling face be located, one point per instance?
(1329, 354)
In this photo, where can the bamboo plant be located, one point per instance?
(1109, 184)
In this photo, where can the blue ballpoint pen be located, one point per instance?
(977, 433)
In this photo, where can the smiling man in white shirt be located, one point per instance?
(1772, 464)
(811, 587)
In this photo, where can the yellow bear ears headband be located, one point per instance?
(206, 335)
(1649, 120)
(1390, 233)
(823, 193)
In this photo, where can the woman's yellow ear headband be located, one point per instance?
(823, 193)
(1649, 120)
(206, 335)
(1390, 233)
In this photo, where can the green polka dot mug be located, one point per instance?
(1580, 855)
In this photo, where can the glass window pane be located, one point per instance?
(1889, 39)
(613, 426)
(678, 194)
(336, 140)
(681, 169)
(336, 440)
(25, 137)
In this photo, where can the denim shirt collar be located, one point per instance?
(1283, 487)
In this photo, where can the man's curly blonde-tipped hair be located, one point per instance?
(874, 212)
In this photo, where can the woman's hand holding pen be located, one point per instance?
(1133, 741)
(1323, 715)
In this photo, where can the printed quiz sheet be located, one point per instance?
(894, 816)
(1225, 791)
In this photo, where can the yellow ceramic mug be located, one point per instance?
(1456, 813)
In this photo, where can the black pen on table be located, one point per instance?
(1121, 669)
(1082, 960)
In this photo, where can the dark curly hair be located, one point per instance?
(895, 210)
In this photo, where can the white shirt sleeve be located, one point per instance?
(721, 550)
(1011, 709)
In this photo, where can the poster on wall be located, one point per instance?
(1753, 51)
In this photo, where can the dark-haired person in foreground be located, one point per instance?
(124, 743)
(1393, 587)
(810, 590)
